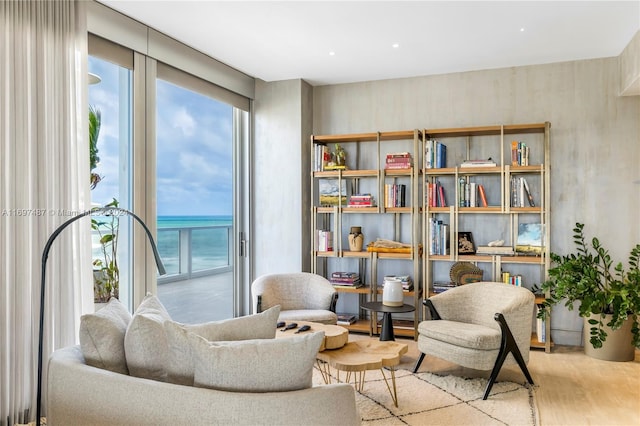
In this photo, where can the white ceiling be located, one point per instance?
(292, 39)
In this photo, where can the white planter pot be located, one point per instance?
(617, 346)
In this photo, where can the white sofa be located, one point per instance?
(78, 394)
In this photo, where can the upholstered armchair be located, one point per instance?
(481, 326)
(302, 296)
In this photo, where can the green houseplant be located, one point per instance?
(609, 294)
(106, 275)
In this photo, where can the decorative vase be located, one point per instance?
(392, 292)
(356, 238)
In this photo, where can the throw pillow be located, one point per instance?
(102, 337)
(180, 365)
(145, 342)
(267, 365)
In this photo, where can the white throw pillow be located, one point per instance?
(180, 366)
(102, 337)
(145, 342)
(266, 365)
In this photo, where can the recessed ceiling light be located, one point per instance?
(395, 45)
(332, 53)
(522, 29)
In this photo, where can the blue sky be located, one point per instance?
(194, 146)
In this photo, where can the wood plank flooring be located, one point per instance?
(570, 387)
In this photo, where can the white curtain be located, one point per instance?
(44, 179)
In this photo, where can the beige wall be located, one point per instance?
(282, 123)
(595, 137)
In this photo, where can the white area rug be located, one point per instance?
(427, 399)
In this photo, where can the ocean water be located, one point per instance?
(209, 241)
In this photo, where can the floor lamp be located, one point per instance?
(45, 254)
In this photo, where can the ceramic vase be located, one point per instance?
(356, 239)
(392, 292)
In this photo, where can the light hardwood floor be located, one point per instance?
(570, 387)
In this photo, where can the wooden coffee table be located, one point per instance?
(362, 355)
(335, 336)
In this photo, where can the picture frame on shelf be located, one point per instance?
(465, 243)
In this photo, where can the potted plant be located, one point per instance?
(608, 293)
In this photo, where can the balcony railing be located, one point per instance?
(195, 251)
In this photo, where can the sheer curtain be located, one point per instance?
(44, 179)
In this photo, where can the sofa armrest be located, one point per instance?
(78, 394)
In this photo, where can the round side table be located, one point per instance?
(387, 322)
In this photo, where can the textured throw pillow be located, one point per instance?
(266, 365)
(180, 366)
(145, 342)
(102, 337)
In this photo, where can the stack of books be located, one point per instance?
(398, 160)
(495, 250)
(479, 163)
(345, 279)
(346, 319)
(440, 286)
(407, 283)
(361, 200)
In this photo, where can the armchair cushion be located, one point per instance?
(469, 335)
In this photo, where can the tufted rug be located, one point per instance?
(428, 399)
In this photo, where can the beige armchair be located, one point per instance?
(302, 296)
(480, 325)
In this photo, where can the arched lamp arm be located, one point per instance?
(45, 255)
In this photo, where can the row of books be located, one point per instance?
(395, 195)
(438, 237)
(471, 194)
(346, 279)
(435, 195)
(323, 240)
(435, 154)
(519, 153)
(515, 280)
(322, 157)
(398, 160)
(361, 200)
(520, 193)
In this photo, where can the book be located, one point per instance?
(478, 163)
(504, 250)
(483, 195)
(324, 240)
(527, 192)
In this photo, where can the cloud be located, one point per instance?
(184, 121)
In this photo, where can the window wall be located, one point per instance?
(182, 167)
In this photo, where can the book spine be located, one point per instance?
(528, 193)
(428, 155)
(514, 153)
(483, 195)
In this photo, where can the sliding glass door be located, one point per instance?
(195, 193)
